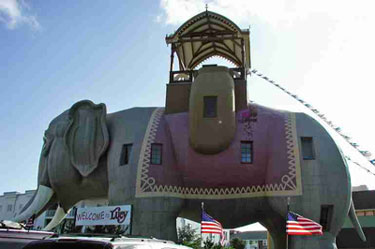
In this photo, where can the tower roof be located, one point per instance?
(209, 34)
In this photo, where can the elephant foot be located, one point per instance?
(159, 225)
(327, 241)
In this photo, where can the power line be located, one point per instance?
(321, 116)
(359, 165)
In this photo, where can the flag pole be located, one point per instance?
(287, 213)
(202, 209)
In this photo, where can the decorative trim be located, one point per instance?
(290, 183)
(144, 182)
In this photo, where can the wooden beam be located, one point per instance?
(172, 59)
(183, 55)
(202, 58)
(243, 52)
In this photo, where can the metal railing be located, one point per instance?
(188, 76)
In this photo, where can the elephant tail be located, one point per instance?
(355, 222)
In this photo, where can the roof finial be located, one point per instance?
(206, 7)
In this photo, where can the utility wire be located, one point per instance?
(337, 129)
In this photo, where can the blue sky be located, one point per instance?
(112, 54)
(55, 53)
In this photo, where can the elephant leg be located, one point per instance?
(276, 226)
(156, 217)
(327, 241)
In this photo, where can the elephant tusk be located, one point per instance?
(57, 218)
(42, 197)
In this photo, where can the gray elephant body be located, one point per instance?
(325, 181)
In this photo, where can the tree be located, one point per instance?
(209, 243)
(188, 237)
(186, 233)
(237, 243)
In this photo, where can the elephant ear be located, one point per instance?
(86, 137)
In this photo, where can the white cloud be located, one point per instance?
(13, 14)
(274, 12)
(159, 18)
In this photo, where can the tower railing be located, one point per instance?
(238, 73)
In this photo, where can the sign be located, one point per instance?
(106, 215)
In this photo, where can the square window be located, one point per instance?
(209, 106)
(360, 213)
(156, 153)
(307, 148)
(125, 154)
(246, 152)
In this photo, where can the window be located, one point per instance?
(156, 153)
(369, 212)
(1, 208)
(209, 106)
(125, 154)
(9, 209)
(246, 152)
(326, 216)
(20, 206)
(307, 148)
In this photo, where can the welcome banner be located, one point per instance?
(106, 215)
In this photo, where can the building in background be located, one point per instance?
(253, 239)
(364, 202)
(12, 203)
(182, 222)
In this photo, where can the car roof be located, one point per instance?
(22, 233)
(120, 242)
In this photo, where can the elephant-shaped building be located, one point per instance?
(208, 144)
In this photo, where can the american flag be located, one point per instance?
(210, 225)
(298, 225)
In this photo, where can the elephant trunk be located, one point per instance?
(41, 199)
(60, 214)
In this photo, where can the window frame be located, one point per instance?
(205, 106)
(161, 153)
(312, 149)
(328, 218)
(251, 151)
(125, 152)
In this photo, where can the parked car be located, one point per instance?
(14, 236)
(105, 242)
